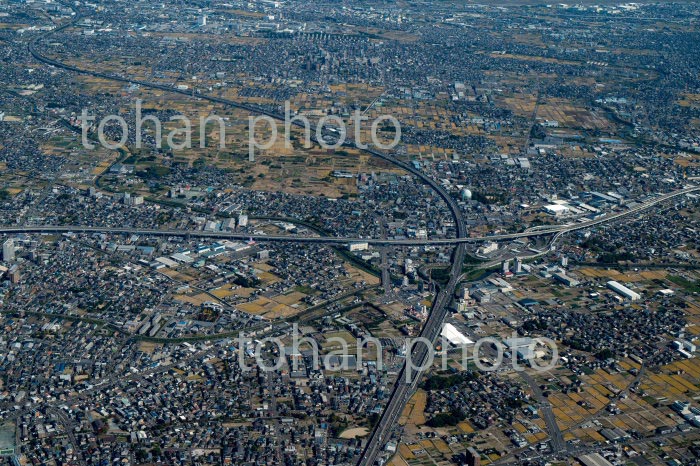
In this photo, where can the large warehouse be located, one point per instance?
(622, 290)
(556, 209)
(454, 336)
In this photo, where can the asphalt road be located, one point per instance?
(343, 240)
(407, 382)
(431, 329)
(556, 437)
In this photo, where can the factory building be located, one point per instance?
(622, 290)
(556, 209)
(565, 279)
(594, 459)
(454, 336)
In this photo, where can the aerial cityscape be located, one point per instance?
(349, 232)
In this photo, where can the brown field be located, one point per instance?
(291, 298)
(223, 291)
(175, 275)
(414, 411)
(398, 460)
(534, 58)
(268, 308)
(442, 446)
(465, 427)
(294, 170)
(690, 100)
(12, 26)
(354, 433)
(521, 104)
(148, 347)
(196, 300)
(598, 390)
(569, 115)
(358, 275)
(672, 385)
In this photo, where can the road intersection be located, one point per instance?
(408, 378)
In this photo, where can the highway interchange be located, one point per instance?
(408, 378)
(430, 331)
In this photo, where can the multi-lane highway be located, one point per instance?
(409, 377)
(407, 380)
(552, 230)
(431, 329)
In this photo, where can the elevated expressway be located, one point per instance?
(406, 383)
(545, 231)
(430, 331)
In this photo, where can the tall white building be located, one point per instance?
(8, 250)
(518, 265)
(242, 220)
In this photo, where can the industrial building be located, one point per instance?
(229, 224)
(556, 209)
(684, 347)
(594, 459)
(622, 290)
(487, 248)
(454, 336)
(565, 279)
(523, 348)
(358, 247)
